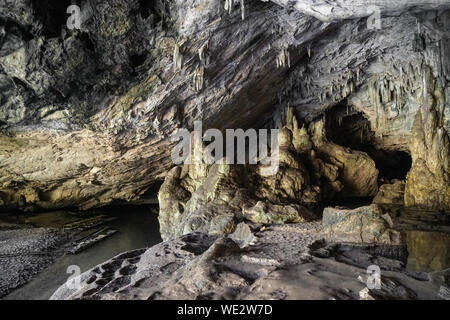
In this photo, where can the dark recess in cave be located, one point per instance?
(87, 41)
(52, 15)
(351, 129)
(137, 60)
(151, 8)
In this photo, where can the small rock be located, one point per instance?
(243, 235)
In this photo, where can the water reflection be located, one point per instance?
(428, 251)
(138, 228)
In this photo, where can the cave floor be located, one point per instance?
(35, 249)
(288, 261)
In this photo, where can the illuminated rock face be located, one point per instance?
(366, 225)
(86, 115)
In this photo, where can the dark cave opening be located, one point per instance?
(351, 129)
(52, 15)
(137, 60)
(151, 8)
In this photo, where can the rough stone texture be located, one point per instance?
(86, 118)
(25, 251)
(391, 193)
(348, 9)
(359, 173)
(362, 225)
(243, 235)
(109, 93)
(282, 264)
(428, 182)
(211, 198)
(226, 195)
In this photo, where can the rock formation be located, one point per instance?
(366, 225)
(86, 115)
(358, 90)
(286, 262)
(212, 198)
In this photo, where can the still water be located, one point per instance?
(428, 251)
(138, 228)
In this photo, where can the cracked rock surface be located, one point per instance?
(285, 262)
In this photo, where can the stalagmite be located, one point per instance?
(283, 58)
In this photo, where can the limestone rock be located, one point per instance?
(212, 198)
(428, 182)
(267, 213)
(279, 266)
(243, 235)
(391, 193)
(113, 82)
(362, 225)
(358, 172)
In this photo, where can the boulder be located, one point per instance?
(391, 193)
(268, 213)
(243, 235)
(362, 225)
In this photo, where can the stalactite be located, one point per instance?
(177, 58)
(283, 58)
(439, 141)
(202, 52)
(229, 7)
(198, 79)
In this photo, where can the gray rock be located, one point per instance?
(279, 266)
(243, 235)
(362, 225)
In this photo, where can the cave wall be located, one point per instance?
(86, 115)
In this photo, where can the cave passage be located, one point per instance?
(351, 129)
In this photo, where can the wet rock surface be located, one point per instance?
(29, 244)
(24, 252)
(286, 262)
